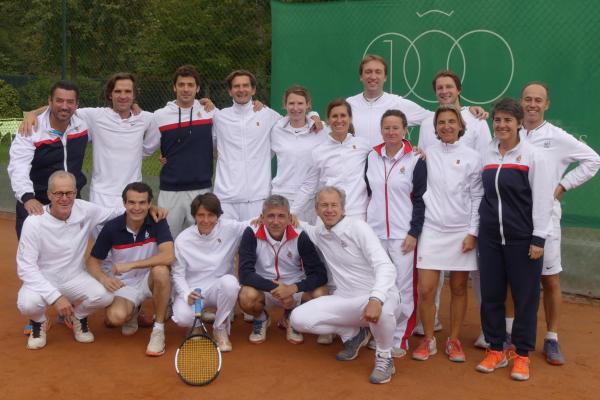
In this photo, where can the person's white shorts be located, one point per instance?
(552, 258)
(443, 251)
(272, 302)
(138, 292)
(178, 205)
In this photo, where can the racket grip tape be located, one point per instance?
(198, 302)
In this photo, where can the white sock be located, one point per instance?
(509, 324)
(551, 335)
(384, 354)
(159, 326)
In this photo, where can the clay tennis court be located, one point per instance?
(115, 367)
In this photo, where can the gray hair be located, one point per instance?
(332, 189)
(276, 200)
(59, 175)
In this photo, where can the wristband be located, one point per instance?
(376, 299)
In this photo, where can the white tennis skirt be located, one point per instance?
(443, 251)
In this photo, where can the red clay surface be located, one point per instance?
(115, 367)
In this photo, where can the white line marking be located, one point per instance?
(435, 11)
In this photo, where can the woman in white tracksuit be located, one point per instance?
(293, 138)
(204, 259)
(449, 235)
(397, 179)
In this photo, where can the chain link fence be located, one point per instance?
(86, 41)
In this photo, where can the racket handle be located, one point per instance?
(198, 302)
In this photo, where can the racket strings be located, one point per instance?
(198, 360)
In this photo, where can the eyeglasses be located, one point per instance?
(68, 195)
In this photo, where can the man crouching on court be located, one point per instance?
(50, 262)
(365, 296)
(142, 251)
(279, 267)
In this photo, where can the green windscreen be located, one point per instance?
(495, 46)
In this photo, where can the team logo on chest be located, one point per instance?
(519, 158)
(218, 240)
(257, 123)
(547, 144)
(343, 244)
(354, 146)
(289, 254)
(402, 170)
(457, 162)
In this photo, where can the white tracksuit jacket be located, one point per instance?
(202, 259)
(366, 115)
(454, 189)
(52, 251)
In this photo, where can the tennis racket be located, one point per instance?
(198, 358)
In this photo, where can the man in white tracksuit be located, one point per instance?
(365, 296)
(50, 261)
(560, 149)
(243, 177)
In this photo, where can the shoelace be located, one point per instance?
(36, 329)
(382, 364)
(553, 344)
(454, 346)
(84, 325)
(257, 326)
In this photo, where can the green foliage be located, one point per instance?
(9, 101)
(35, 93)
(150, 38)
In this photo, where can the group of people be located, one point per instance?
(354, 231)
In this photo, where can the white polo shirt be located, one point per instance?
(118, 147)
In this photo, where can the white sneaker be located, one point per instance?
(259, 330)
(292, 335)
(222, 339)
(81, 330)
(481, 343)
(398, 352)
(325, 339)
(156, 345)
(37, 336)
(131, 327)
(208, 316)
(418, 331)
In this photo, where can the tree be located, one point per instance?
(9, 101)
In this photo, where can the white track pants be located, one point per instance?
(343, 316)
(222, 294)
(84, 291)
(406, 283)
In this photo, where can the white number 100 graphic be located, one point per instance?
(390, 40)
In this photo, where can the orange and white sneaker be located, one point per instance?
(493, 359)
(520, 369)
(425, 349)
(455, 351)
